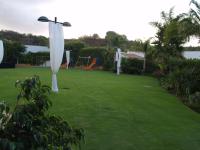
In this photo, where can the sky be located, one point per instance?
(128, 17)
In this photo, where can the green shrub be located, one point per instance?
(109, 60)
(184, 80)
(30, 127)
(194, 101)
(132, 66)
(184, 76)
(181, 82)
(175, 64)
(13, 51)
(135, 66)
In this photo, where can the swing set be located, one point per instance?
(84, 62)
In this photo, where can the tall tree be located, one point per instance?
(93, 41)
(116, 40)
(170, 37)
(136, 45)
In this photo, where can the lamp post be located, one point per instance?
(56, 46)
(45, 19)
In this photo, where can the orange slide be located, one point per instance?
(91, 65)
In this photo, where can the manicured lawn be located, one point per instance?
(123, 112)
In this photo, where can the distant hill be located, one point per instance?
(29, 39)
(93, 41)
(26, 39)
(89, 41)
(192, 48)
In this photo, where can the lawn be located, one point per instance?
(123, 112)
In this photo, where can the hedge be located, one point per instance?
(7, 65)
(175, 64)
(34, 58)
(135, 66)
(184, 80)
(108, 63)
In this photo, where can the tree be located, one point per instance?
(170, 37)
(116, 40)
(96, 36)
(13, 51)
(26, 39)
(93, 41)
(136, 45)
(190, 22)
(194, 19)
(195, 13)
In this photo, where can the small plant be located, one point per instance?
(29, 127)
(194, 101)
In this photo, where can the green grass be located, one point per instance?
(123, 112)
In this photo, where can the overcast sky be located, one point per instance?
(129, 17)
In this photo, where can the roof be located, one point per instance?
(35, 48)
(134, 55)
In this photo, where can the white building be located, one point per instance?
(191, 54)
(35, 49)
(186, 54)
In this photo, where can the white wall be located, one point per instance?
(35, 49)
(191, 54)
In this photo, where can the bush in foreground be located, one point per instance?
(184, 80)
(29, 127)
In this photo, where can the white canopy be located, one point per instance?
(1, 51)
(56, 41)
(68, 58)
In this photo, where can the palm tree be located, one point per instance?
(169, 38)
(195, 13)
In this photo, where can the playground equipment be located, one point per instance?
(83, 61)
(93, 63)
(1, 51)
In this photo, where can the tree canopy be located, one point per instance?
(169, 38)
(12, 51)
(116, 40)
(26, 39)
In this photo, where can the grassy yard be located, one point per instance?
(123, 112)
